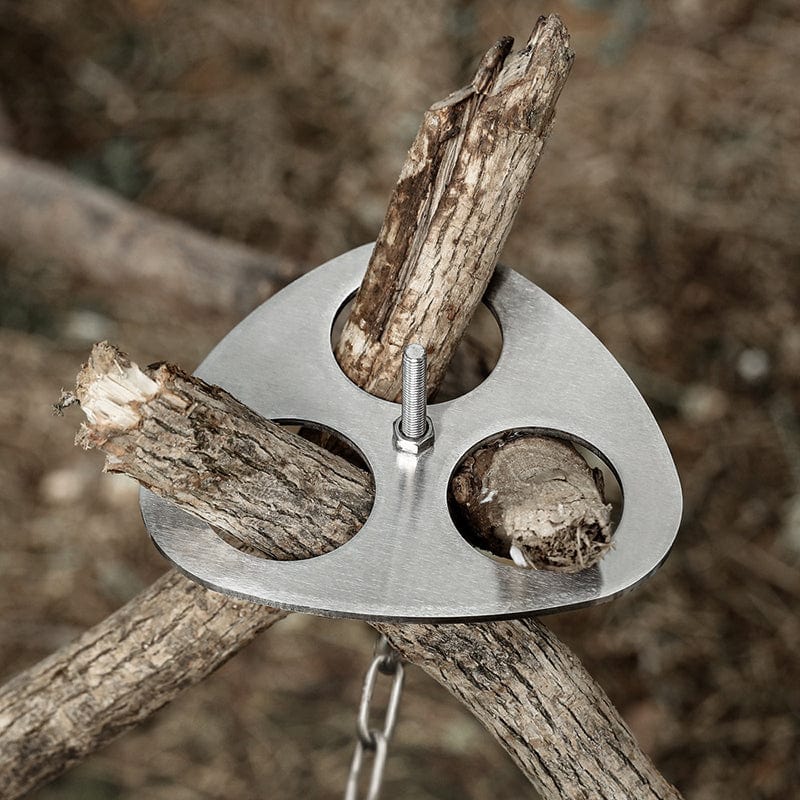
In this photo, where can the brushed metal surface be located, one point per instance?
(409, 562)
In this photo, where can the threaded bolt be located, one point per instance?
(413, 420)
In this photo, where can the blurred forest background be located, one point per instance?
(664, 214)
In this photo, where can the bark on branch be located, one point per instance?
(458, 192)
(526, 687)
(187, 441)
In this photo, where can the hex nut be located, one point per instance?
(413, 446)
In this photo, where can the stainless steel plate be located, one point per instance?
(409, 562)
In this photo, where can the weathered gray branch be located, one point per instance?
(454, 203)
(50, 215)
(527, 687)
(188, 442)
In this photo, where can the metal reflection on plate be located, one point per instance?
(409, 562)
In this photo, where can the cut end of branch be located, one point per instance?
(535, 500)
(110, 389)
(567, 537)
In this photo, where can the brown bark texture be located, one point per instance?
(458, 192)
(555, 721)
(452, 208)
(192, 443)
(116, 675)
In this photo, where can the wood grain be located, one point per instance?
(528, 689)
(188, 441)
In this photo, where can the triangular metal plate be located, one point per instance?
(408, 562)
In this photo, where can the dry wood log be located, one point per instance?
(50, 215)
(188, 441)
(564, 716)
(454, 203)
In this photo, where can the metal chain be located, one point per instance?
(375, 740)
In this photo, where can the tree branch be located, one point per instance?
(458, 192)
(116, 675)
(189, 442)
(526, 687)
(50, 215)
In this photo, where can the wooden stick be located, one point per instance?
(508, 650)
(116, 675)
(454, 203)
(458, 192)
(50, 215)
(189, 442)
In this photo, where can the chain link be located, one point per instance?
(375, 740)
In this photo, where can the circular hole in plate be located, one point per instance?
(511, 475)
(475, 357)
(473, 361)
(351, 505)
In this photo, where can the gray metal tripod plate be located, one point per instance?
(409, 562)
